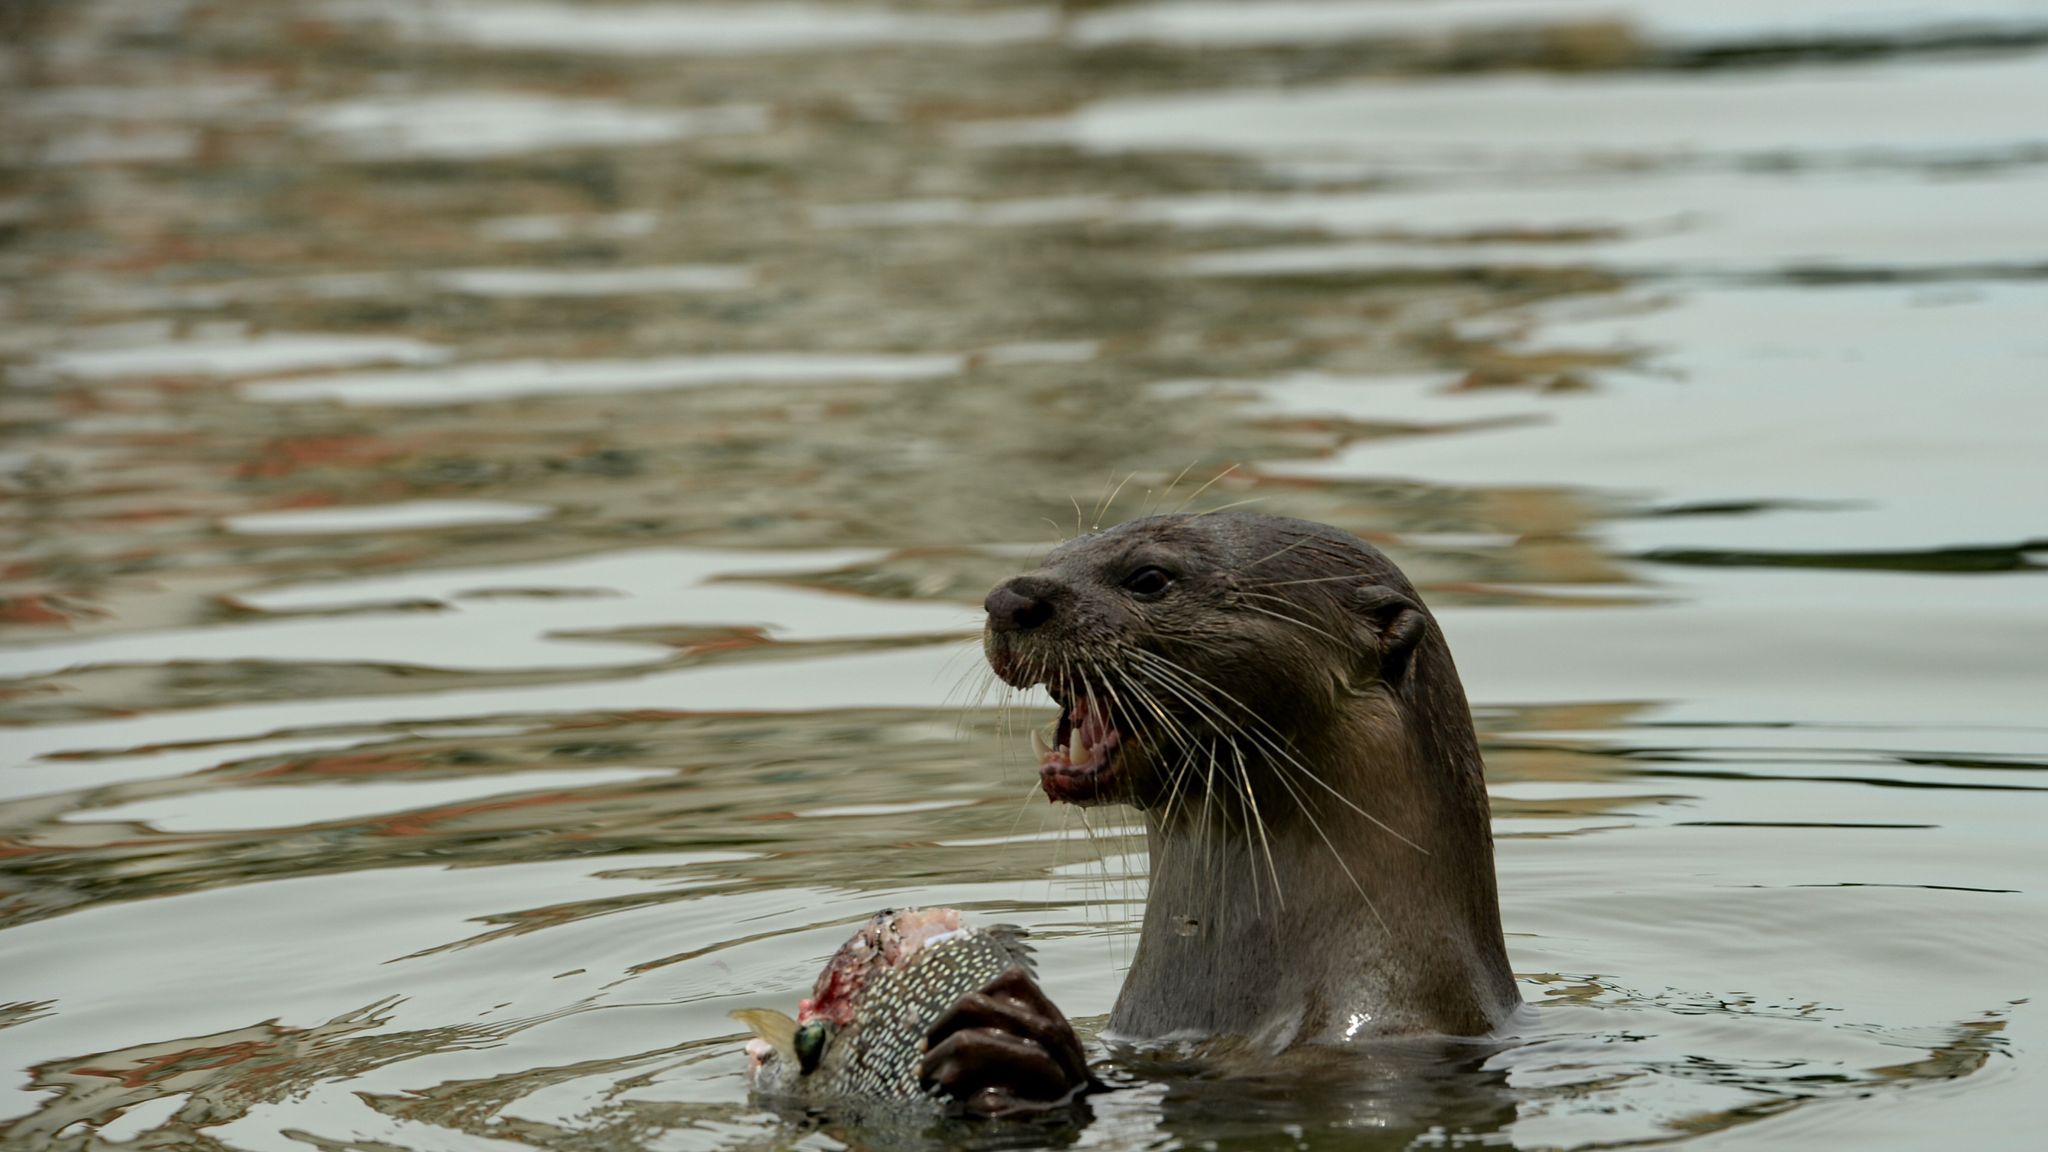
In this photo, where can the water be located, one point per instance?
(500, 491)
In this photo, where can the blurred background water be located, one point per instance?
(499, 491)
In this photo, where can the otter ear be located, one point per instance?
(1393, 624)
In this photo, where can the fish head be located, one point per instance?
(773, 1065)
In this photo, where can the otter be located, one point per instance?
(1275, 698)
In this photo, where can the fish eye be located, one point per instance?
(810, 1045)
(1148, 582)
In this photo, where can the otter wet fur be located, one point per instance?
(1276, 700)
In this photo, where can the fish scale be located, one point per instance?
(885, 1045)
(874, 1057)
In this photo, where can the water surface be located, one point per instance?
(500, 493)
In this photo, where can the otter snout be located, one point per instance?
(1019, 605)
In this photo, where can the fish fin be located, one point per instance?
(777, 1028)
(1011, 938)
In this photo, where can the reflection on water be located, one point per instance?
(501, 493)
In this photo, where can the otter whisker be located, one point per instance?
(1102, 500)
(1250, 812)
(981, 673)
(1186, 769)
(1282, 551)
(1101, 858)
(961, 680)
(1259, 821)
(1007, 739)
(1277, 743)
(1182, 740)
(1352, 576)
(984, 678)
(1111, 502)
(1223, 769)
(1010, 840)
(1180, 736)
(1282, 753)
(1284, 616)
(974, 707)
(1171, 727)
(1312, 549)
(1012, 700)
(1003, 699)
(1307, 813)
(1066, 678)
(1059, 849)
(1006, 717)
(1100, 677)
(1210, 808)
(1168, 490)
(1167, 673)
(1208, 714)
(1334, 854)
(1180, 770)
(1022, 808)
(1232, 504)
(1214, 716)
(1165, 717)
(1204, 488)
(1095, 850)
(1285, 759)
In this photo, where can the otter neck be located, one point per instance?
(1326, 927)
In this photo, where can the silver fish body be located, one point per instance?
(861, 1037)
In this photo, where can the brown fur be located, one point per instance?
(1279, 914)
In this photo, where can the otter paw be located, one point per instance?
(1005, 1051)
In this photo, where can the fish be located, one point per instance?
(859, 1037)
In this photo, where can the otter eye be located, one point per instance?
(810, 1045)
(1148, 582)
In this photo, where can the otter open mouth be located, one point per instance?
(1079, 764)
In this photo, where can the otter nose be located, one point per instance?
(1018, 606)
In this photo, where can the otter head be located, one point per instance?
(1204, 653)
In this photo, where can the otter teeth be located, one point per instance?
(1076, 748)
